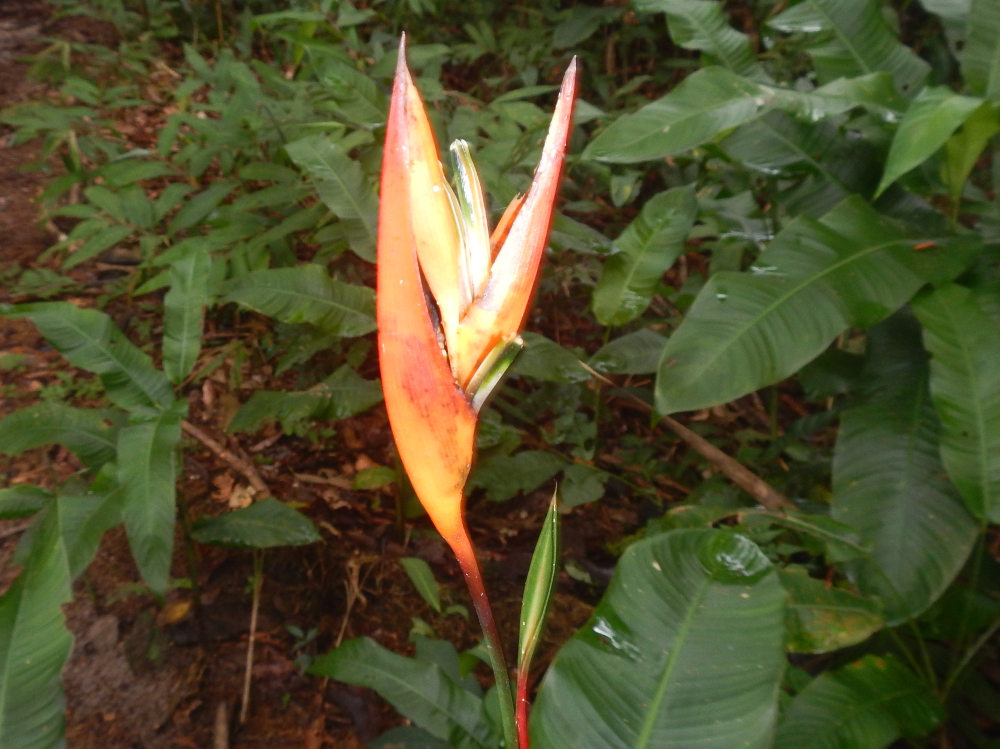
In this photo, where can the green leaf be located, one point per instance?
(839, 542)
(21, 500)
(965, 387)
(423, 580)
(260, 525)
(90, 340)
(927, 124)
(641, 255)
(340, 395)
(88, 433)
(868, 703)
(375, 477)
(307, 294)
(546, 361)
(105, 238)
(852, 39)
(817, 278)
(341, 186)
(183, 310)
(981, 54)
(34, 642)
(690, 636)
(503, 476)
(821, 619)
(633, 353)
(422, 691)
(704, 105)
(964, 148)
(890, 486)
(580, 23)
(824, 163)
(702, 25)
(538, 587)
(147, 473)
(200, 206)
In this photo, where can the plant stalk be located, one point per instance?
(521, 708)
(466, 556)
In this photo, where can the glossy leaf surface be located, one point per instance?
(745, 330)
(690, 635)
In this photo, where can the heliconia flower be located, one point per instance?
(450, 297)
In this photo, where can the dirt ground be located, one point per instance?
(151, 676)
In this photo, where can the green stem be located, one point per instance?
(967, 657)
(494, 647)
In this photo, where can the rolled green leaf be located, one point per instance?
(538, 587)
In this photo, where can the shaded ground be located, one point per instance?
(142, 675)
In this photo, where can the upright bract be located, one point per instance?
(433, 246)
(450, 301)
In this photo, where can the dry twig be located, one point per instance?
(242, 465)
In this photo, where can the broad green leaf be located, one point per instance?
(821, 619)
(702, 25)
(88, 433)
(503, 476)
(927, 124)
(964, 148)
(869, 703)
(340, 395)
(260, 525)
(689, 633)
(307, 294)
(712, 101)
(34, 642)
(420, 690)
(965, 386)
(341, 186)
(201, 205)
(538, 587)
(851, 39)
(131, 169)
(423, 580)
(824, 163)
(108, 236)
(817, 278)
(633, 353)
(90, 340)
(580, 23)
(889, 483)
(581, 483)
(981, 54)
(704, 105)
(545, 360)
(147, 473)
(21, 500)
(641, 255)
(183, 309)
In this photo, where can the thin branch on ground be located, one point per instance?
(731, 468)
(240, 464)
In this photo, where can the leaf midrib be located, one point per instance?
(804, 285)
(655, 704)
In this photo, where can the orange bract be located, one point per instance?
(432, 240)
